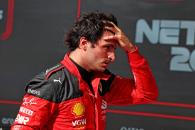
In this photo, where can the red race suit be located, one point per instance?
(59, 99)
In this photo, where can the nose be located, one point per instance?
(111, 56)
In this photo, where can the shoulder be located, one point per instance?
(46, 84)
(53, 71)
(55, 84)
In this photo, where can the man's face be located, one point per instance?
(99, 56)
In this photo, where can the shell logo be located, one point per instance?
(78, 109)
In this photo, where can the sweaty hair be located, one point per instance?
(91, 26)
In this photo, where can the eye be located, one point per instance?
(109, 47)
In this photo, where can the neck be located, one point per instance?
(77, 57)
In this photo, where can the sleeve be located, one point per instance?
(33, 114)
(38, 105)
(138, 90)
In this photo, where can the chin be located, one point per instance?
(100, 69)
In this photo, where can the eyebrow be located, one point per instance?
(112, 44)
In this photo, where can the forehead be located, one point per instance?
(107, 33)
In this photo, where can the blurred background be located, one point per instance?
(32, 39)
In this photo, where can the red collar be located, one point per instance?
(70, 65)
(73, 69)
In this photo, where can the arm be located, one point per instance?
(142, 88)
(37, 106)
(33, 114)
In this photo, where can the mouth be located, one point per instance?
(105, 64)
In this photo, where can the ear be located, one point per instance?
(83, 43)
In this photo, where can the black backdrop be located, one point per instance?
(31, 40)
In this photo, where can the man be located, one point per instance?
(75, 93)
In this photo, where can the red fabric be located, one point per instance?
(88, 112)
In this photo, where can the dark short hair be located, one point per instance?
(90, 25)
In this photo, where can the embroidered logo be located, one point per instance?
(27, 101)
(79, 123)
(57, 80)
(78, 109)
(104, 105)
(22, 119)
(26, 111)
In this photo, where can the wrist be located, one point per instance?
(131, 49)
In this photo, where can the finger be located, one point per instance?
(116, 27)
(113, 29)
(110, 29)
(110, 37)
(111, 25)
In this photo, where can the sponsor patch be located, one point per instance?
(17, 127)
(26, 111)
(57, 81)
(35, 92)
(78, 109)
(79, 122)
(28, 102)
(22, 119)
(104, 105)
